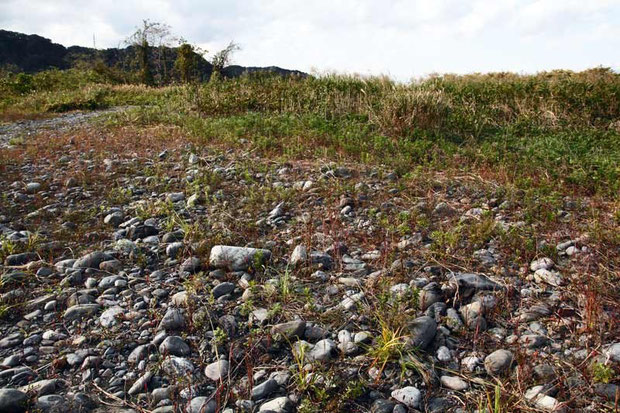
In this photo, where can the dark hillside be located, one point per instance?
(33, 53)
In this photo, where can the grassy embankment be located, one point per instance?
(550, 131)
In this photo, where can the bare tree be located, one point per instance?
(151, 36)
(223, 58)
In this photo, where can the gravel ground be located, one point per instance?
(144, 272)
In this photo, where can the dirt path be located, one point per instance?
(25, 128)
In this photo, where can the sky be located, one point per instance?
(403, 39)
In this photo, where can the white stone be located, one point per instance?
(409, 396)
(237, 258)
(110, 316)
(299, 255)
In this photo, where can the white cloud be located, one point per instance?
(403, 38)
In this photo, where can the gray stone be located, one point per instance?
(322, 351)
(422, 331)
(110, 316)
(542, 401)
(498, 362)
(175, 196)
(609, 391)
(299, 255)
(264, 389)
(533, 340)
(443, 210)
(542, 263)
(114, 219)
(548, 277)
(42, 387)
(12, 401)
(191, 265)
(163, 393)
(175, 346)
(141, 231)
(80, 311)
(443, 354)
(322, 259)
(218, 370)
(32, 187)
(140, 386)
(613, 352)
(111, 266)
(290, 329)
(173, 249)
(453, 320)
(172, 320)
(92, 260)
(382, 406)
(429, 295)
(177, 366)
(475, 282)
(51, 403)
(472, 313)
(139, 353)
(202, 404)
(20, 259)
(223, 289)
(278, 405)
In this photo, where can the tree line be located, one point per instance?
(154, 46)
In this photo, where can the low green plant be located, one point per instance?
(219, 336)
(601, 373)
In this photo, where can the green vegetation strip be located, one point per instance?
(551, 131)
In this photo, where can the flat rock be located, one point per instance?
(289, 330)
(80, 311)
(51, 403)
(475, 282)
(542, 401)
(20, 259)
(223, 289)
(92, 260)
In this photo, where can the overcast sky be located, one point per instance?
(400, 38)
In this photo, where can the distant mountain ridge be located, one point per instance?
(32, 53)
